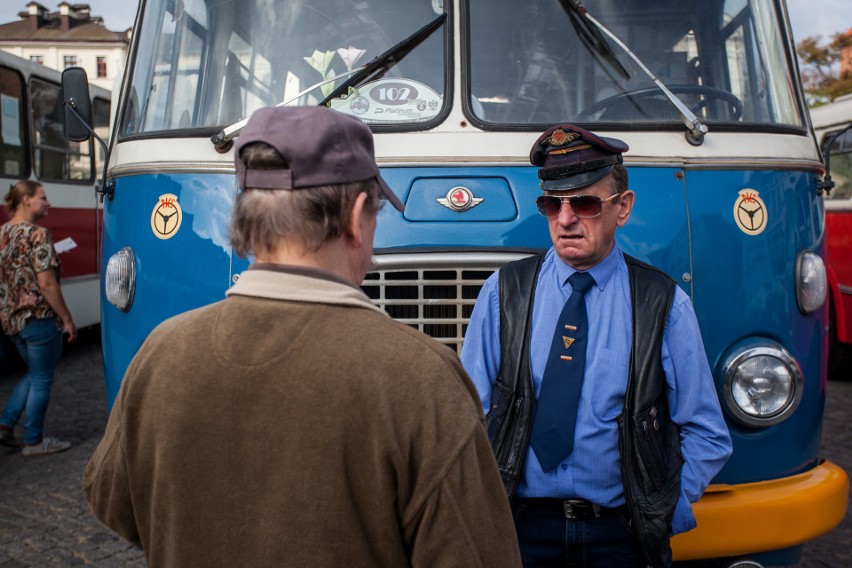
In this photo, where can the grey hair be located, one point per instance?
(618, 179)
(309, 217)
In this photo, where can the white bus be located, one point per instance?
(33, 146)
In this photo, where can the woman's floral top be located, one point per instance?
(25, 250)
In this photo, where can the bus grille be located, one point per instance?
(430, 293)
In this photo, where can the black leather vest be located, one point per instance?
(649, 442)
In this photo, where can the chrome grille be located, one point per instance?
(433, 293)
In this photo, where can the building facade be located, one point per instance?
(846, 57)
(69, 37)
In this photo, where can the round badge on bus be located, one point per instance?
(459, 198)
(750, 212)
(166, 217)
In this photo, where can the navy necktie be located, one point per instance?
(552, 437)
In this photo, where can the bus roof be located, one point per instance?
(831, 115)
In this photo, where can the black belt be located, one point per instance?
(574, 509)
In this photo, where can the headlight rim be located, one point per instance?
(733, 363)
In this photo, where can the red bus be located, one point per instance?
(832, 123)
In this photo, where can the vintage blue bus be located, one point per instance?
(723, 162)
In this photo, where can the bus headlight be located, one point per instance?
(763, 384)
(810, 282)
(120, 279)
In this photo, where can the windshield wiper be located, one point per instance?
(696, 129)
(591, 36)
(371, 70)
(382, 63)
(222, 140)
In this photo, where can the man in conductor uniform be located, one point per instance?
(589, 364)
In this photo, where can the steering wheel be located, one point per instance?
(627, 105)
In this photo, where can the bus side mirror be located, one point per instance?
(843, 141)
(78, 105)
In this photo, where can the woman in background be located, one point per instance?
(33, 314)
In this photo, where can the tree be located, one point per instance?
(821, 81)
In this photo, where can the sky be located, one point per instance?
(817, 17)
(808, 17)
(118, 15)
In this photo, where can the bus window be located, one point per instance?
(841, 165)
(13, 158)
(537, 63)
(55, 157)
(210, 64)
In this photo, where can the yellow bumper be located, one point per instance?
(766, 515)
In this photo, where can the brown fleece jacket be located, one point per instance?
(294, 424)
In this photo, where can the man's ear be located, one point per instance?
(354, 229)
(625, 206)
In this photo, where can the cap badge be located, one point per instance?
(459, 199)
(559, 137)
(569, 150)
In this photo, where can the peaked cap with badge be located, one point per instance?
(570, 157)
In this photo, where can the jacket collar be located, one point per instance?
(292, 283)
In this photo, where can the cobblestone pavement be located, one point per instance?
(45, 521)
(44, 518)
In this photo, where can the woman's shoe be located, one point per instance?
(46, 446)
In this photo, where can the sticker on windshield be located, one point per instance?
(750, 212)
(388, 101)
(166, 217)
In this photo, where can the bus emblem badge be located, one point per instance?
(750, 212)
(459, 199)
(166, 217)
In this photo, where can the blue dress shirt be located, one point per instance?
(592, 471)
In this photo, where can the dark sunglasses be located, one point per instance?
(583, 206)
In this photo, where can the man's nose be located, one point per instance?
(566, 214)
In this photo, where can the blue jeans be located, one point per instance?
(547, 538)
(40, 345)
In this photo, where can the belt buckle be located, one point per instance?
(579, 510)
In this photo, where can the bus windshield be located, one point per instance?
(542, 62)
(207, 64)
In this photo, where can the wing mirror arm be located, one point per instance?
(75, 98)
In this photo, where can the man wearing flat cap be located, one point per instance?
(294, 423)
(589, 364)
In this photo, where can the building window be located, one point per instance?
(102, 70)
(70, 61)
(37, 59)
